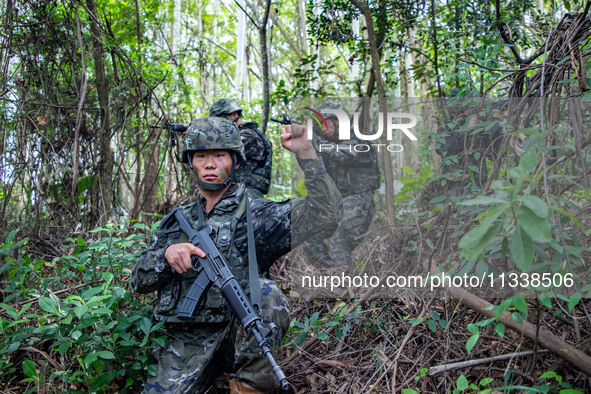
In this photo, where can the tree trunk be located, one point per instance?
(377, 70)
(265, 64)
(105, 164)
(241, 66)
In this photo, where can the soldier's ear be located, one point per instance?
(237, 165)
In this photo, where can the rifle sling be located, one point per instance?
(253, 267)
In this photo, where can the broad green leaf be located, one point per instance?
(48, 305)
(30, 369)
(476, 251)
(89, 359)
(482, 200)
(462, 383)
(548, 375)
(80, 311)
(536, 204)
(105, 354)
(520, 304)
(100, 381)
(528, 163)
(145, 325)
(521, 248)
(10, 310)
(472, 238)
(538, 229)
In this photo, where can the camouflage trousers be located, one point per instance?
(194, 355)
(358, 211)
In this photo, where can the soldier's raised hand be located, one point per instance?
(294, 138)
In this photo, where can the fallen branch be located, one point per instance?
(543, 337)
(470, 363)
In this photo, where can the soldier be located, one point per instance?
(196, 352)
(255, 172)
(357, 176)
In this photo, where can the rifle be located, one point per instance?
(174, 128)
(178, 127)
(284, 121)
(214, 269)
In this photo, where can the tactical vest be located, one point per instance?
(256, 172)
(354, 176)
(224, 220)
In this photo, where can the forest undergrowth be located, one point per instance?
(70, 323)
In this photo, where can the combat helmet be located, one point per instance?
(225, 106)
(213, 133)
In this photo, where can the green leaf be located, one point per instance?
(471, 342)
(462, 383)
(9, 310)
(108, 277)
(538, 229)
(473, 329)
(409, 391)
(472, 238)
(48, 305)
(536, 204)
(30, 369)
(521, 248)
(89, 359)
(548, 375)
(145, 325)
(573, 301)
(500, 329)
(486, 381)
(503, 307)
(80, 311)
(432, 325)
(520, 304)
(100, 381)
(482, 200)
(106, 355)
(13, 347)
(322, 335)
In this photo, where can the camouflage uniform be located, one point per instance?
(255, 173)
(195, 353)
(357, 177)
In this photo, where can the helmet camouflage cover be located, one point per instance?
(225, 106)
(213, 133)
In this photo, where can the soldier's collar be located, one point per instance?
(231, 197)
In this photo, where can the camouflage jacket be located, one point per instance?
(353, 172)
(256, 172)
(278, 226)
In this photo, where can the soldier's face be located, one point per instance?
(233, 116)
(332, 128)
(213, 165)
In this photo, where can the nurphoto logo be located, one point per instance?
(396, 121)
